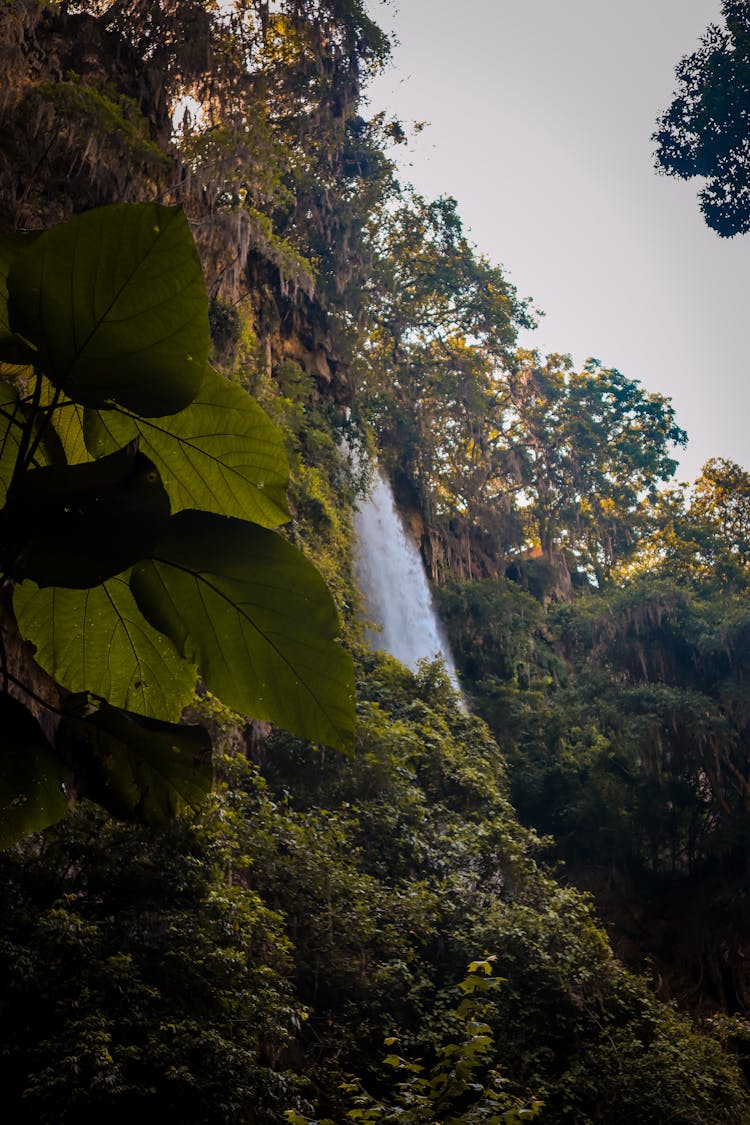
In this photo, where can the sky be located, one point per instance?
(540, 117)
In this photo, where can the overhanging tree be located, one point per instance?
(705, 131)
(141, 490)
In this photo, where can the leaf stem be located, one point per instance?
(46, 413)
(24, 453)
(29, 691)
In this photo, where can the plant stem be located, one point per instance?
(46, 413)
(30, 692)
(25, 444)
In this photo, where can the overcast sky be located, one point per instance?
(540, 117)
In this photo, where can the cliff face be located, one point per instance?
(87, 118)
(292, 325)
(84, 121)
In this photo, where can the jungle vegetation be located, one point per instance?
(374, 921)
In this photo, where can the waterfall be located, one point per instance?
(391, 577)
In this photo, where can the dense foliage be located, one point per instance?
(252, 962)
(500, 449)
(371, 936)
(625, 718)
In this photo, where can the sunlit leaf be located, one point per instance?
(67, 424)
(221, 454)
(97, 640)
(114, 301)
(257, 618)
(78, 525)
(31, 776)
(136, 768)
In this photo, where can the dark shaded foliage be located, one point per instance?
(704, 132)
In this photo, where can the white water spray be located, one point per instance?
(392, 579)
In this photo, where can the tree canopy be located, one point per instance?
(586, 450)
(704, 132)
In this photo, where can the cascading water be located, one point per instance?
(393, 583)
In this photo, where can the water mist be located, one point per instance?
(392, 579)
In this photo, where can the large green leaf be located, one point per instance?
(97, 640)
(257, 618)
(115, 303)
(78, 525)
(67, 424)
(136, 768)
(12, 348)
(221, 454)
(31, 776)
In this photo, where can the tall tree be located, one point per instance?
(443, 325)
(585, 450)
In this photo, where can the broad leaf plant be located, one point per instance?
(140, 494)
